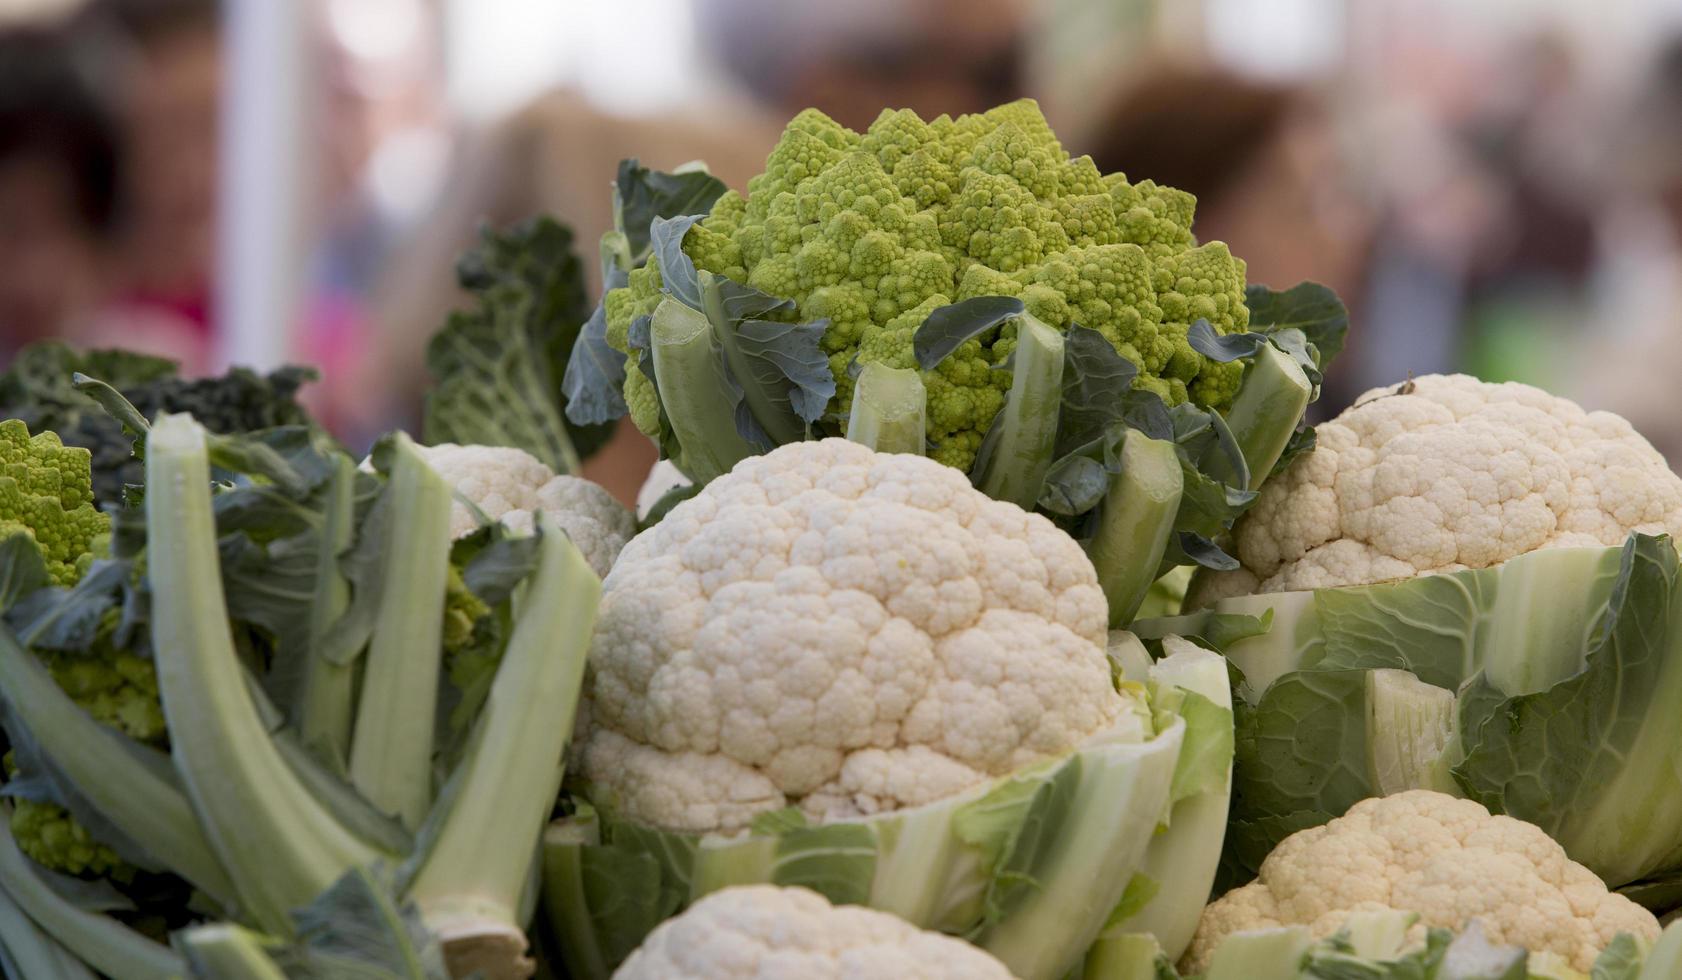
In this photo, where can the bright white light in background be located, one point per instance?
(629, 57)
(375, 30)
(1276, 39)
(407, 170)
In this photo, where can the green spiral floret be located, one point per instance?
(866, 230)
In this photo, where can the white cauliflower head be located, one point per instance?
(848, 631)
(767, 933)
(1445, 473)
(510, 485)
(1447, 859)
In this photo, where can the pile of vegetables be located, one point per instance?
(995, 613)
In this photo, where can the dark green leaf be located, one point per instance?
(594, 381)
(22, 569)
(678, 277)
(499, 366)
(949, 327)
(1309, 307)
(641, 195)
(1096, 384)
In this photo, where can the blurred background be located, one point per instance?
(1493, 187)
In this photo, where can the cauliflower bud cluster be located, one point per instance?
(764, 931)
(511, 485)
(873, 231)
(1445, 473)
(843, 631)
(1447, 859)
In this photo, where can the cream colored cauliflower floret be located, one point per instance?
(847, 631)
(1447, 859)
(761, 932)
(1447, 473)
(510, 485)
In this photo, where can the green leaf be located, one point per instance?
(1096, 383)
(498, 367)
(950, 327)
(359, 928)
(1620, 960)
(775, 375)
(1593, 759)
(1309, 307)
(838, 861)
(1013, 825)
(22, 569)
(594, 380)
(641, 195)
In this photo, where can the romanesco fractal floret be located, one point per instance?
(46, 489)
(872, 231)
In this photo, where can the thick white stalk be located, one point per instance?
(279, 844)
(470, 882)
(391, 748)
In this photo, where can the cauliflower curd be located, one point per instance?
(511, 485)
(1446, 473)
(763, 932)
(844, 631)
(1447, 859)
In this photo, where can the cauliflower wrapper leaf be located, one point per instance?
(855, 672)
(1473, 588)
(759, 930)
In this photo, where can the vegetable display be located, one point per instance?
(992, 612)
(1474, 588)
(955, 750)
(962, 289)
(250, 605)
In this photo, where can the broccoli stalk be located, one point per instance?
(324, 710)
(279, 844)
(391, 752)
(692, 389)
(26, 951)
(99, 940)
(1135, 522)
(127, 783)
(889, 410)
(1265, 412)
(225, 950)
(470, 881)
(1017, 453)
(566, 894)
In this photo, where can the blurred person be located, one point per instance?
(164, 69)
(1631, 355)
(852, 60)
(58, 189)
(164, 64)
(1261, 159)
(558, 154)
(1527, 284)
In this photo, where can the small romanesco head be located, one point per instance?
(764, 931)
(873, 230)
(1447, 859)
(843, 631)
(46, 491)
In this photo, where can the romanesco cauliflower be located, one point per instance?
(46, 490)
(873, 231)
